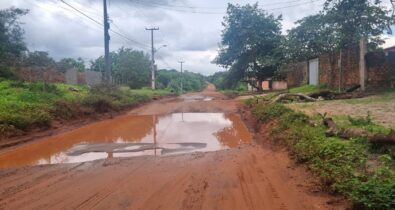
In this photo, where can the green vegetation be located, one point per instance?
(360, 122)
(253, 48)
(340, 164)
(307, 89)
(24, 106)
(171, 80)
(250, 45)
(340, 24)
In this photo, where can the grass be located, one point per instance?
(24, 106)
(365, 123)
(307, 89)
(340, 164)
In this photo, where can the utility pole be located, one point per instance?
(107, 65)
(181, 62)
(152, 56)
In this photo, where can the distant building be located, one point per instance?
(389, 49)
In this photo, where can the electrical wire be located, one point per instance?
(214, 13)
(213, 8)
(101, 24)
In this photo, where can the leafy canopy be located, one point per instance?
(341, 24)
(129, 67)
(251, 43)
(11, 35)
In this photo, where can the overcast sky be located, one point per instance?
(191, 29)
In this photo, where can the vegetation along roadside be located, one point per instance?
(361, 171)
(27, 106)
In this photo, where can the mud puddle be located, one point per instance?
(196, 98)
(131, 135)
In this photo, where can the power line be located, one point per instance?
(209, 8)
(82, 13)
(214, 13)
(99, 23)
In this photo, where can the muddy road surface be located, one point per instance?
(192, 152)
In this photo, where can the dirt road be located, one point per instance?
(248, 177)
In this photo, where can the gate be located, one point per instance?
(313, 72)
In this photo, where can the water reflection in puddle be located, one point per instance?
(129, 136)
(196, 98)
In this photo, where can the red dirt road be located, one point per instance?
(249, 177)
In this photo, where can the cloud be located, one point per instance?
(189, 33)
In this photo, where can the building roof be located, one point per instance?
(390, 48)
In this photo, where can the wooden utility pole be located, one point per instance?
(152, 57)
(107, 59)
(181, 86)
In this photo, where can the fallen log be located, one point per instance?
(323, 93)
(353, 88)
(334, 130)
(383, 139)
(288, 95)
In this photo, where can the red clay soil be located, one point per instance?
(60, 126)
(249, 177)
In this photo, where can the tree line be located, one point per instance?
(253, 46)
(129, 67)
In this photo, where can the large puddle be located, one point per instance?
(128, 136)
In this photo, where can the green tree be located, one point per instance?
(219, 79)
(356, 19)
(39, 58)
(341, 24)
(251, 43)
(68, 63)
(171, 79)
(129, 67)
(313, 36)
(12, 44)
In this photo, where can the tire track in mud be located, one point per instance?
(20, 192)
(248, 177)
(106, 191)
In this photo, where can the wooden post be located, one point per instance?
(362, 63)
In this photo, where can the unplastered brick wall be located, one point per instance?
(40, 74)
(332, 75)
(295, 74)
(51, 75)
(380, 69)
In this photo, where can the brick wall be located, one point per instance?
(295, 74)
(40, 74)
(50, 75)
(380, 70)
(332, 75)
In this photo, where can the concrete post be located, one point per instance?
(362, 64)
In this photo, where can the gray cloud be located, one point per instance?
(190, 35)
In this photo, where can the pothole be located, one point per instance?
(128, 136)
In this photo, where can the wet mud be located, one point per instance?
(131, 135)
(232, 175)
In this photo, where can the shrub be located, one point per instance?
(361, 121)
(339, 164)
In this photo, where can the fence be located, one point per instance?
(344, 69)
(50, 75)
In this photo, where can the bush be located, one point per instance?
(340, 164)
(26, 105)
(7, 73)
